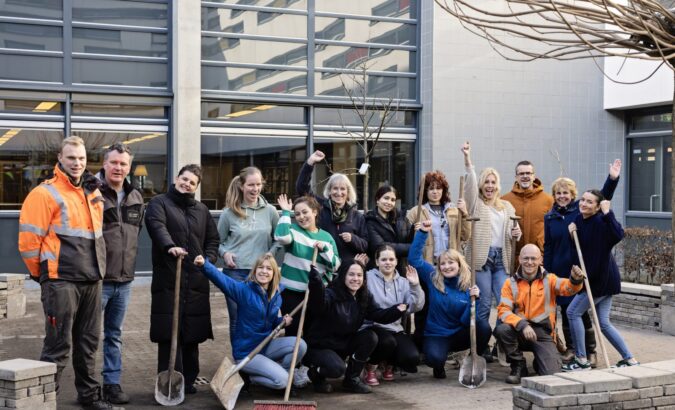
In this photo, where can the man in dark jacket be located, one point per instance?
(179, 226)
(122, 220)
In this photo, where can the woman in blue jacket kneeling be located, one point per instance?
(259, 301)
(450, 291)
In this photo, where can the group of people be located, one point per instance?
(385, 289)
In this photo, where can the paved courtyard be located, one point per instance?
(23, 338)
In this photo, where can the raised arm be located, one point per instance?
(302, 184)
(612, 180)
(415, 257)
(470, 181)
(282, 233)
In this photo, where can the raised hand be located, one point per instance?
(285, 203)
(362, 257)
(412, 276)
(466, 150)
(604, 206)
(615, 169)
(317, 156)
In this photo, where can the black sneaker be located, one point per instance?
(355, 385)
(190, 389)
(97, 405)
(114, 394)
(439, 372)
(319, 382)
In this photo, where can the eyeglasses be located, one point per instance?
(528, 259)
(525, 174)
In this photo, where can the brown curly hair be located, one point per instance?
(436, 178)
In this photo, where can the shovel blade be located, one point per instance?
(472, 372)
(227, 384)
(169, 388)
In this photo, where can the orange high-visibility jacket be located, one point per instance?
(525, 302)
(61, 231)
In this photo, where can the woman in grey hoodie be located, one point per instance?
(246, 229)
(394, 346)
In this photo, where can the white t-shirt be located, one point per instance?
(497, 219)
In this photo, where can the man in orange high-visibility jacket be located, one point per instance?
(61, 242)
(528, 312)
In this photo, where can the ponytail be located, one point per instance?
(234, 195)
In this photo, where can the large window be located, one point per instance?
(650, 161)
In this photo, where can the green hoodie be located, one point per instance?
(248, 238)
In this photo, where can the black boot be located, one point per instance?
(518, 370)
(94, 402)
(352, 381)
(318, 381)
(114, 394)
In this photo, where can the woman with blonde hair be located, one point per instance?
(246, 229)
(449, 295)
(259, 302)
(491, 234)
(339, 214)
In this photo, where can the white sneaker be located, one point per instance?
(300, 378)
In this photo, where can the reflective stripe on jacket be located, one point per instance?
(524, 302)
(61, 231)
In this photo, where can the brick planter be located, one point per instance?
(12, 298)
(27, 384)
(649, 386)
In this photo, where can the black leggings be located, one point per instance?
(187, 360)
(289, 300)
(395, 348)
(331, 363)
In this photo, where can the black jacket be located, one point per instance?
(338, 317)
(121, 227)
(175, 219)
(354, 224)
(398, 235)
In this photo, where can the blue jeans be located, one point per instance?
(238, 275)
(490, 281)
(114, 301)
(270, 367)
(603, 305)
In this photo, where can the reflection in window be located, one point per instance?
(378, 86)
(31, 68)
(254, 22)
(41, 9)
(27, 158)
(376, 59)
(128, 13)
(121, 73)
(651, 122)
(279, 159)
(650, 174)
(253, 80)
(258, 113)
(391, 164)
(381, 8)
(347, 116)
(8, 105)
(365, 31)
(118, 42)
(149, 167)
(31, 37)
(253, 51)
(119, 110)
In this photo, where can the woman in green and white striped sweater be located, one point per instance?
(299, 240)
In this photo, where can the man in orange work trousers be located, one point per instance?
(528, 312)
(61, 243)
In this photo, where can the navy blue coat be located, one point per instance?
(354, 224)
(597, 236)
(559, 247)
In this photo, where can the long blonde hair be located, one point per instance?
(482, 178)
(235, 192)
(276, 274)
(464, 271)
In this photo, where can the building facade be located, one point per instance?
(233, 83)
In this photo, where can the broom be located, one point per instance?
(285, 404)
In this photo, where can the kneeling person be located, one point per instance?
(528, 313)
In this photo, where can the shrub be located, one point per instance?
(646, 256)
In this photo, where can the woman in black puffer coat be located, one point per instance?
(386, 226)
(181, 226)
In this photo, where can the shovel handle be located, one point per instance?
(459, 214)
(514, 244)
(176, 312)
(420, 198)
(587, 285)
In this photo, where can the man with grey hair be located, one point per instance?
(122, 221)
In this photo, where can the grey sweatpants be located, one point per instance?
(546, 357)
(73, 319)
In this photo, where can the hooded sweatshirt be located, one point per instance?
(394, 292)
(531, 205)
(248, 238)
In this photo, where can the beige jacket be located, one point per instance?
(482, 233)
(450, 216)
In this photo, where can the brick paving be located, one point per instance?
(23, 338)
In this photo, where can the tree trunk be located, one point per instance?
(366, 178)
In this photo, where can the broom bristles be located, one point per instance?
(284, 405)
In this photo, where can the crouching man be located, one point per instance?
(528, 312)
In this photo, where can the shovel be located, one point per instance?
(459, 215)
(227, 383)
(169, 387)
(514, 244)
(472, 372)
(587, 286)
